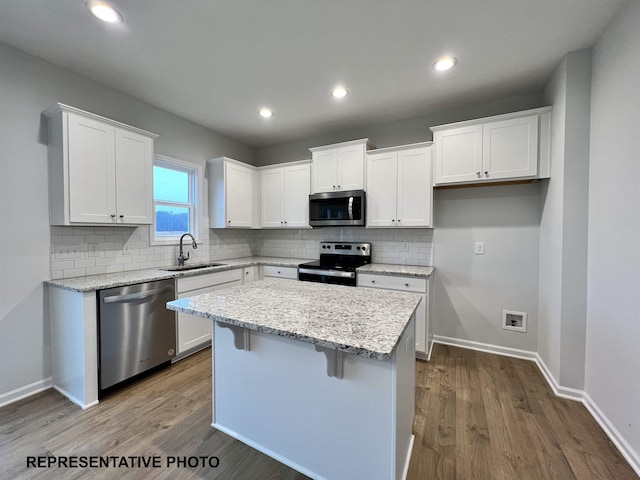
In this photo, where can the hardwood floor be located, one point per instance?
(478, 416)
(484, 416)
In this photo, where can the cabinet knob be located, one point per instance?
(399, 220)
(334, 187)
(121, 216)
(393, 220)
(373, 281)
(338, 187)
(486, 173)
(113, 215)
(285, 222)
(478, 174)
(406, 284)
(278, 272)
(229, 222)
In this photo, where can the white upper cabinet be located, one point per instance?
(101, 171)
(505, 147)
(399, 187)
(232, 196)
(285, 196)
(339, 167)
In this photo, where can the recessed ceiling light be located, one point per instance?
(104, 12)
(265, 112)
(444, 63)
(339, 92)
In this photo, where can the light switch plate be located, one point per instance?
(479, 249)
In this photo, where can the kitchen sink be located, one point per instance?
(194, 266)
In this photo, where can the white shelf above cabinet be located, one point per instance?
(508, 147)
(100, 170)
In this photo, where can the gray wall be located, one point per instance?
(563, 230)
(613, 318)
(472, 290)
(27, 87)
(401, 132)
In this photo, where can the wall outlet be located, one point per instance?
(512, 320)
(479, 248)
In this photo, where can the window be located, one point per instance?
(176, 187)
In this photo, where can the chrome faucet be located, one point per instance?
(181, 257)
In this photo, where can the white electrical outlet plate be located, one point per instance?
(479, 248)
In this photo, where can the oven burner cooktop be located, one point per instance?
(337, 264)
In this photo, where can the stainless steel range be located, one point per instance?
(337, 264)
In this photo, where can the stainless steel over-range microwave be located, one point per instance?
(332, 209)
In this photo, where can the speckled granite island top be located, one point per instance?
(363, 321)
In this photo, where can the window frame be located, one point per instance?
(195, 173)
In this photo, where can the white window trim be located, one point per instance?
(198, 218)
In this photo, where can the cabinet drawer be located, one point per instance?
(407, 284)
(280, 272)
(207, 280)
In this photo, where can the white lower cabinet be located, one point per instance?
(194, 333)
(290, 273)
(422, 286)
(250, 274)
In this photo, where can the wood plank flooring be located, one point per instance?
(484, 416)
(478, 416)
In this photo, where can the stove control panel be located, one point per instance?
(345, 248)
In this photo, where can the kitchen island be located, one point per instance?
(317, 376)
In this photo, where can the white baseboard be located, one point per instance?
(82, 405)
(407, 460)
(630, 455)
(24, 392)
(558, 390)
(267, 451)
(612, 432)
(485, 347)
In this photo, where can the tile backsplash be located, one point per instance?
(411, 246)
(78, 251)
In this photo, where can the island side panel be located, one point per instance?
(278, 398)
(405, 398)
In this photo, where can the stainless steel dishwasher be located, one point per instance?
(136, 331)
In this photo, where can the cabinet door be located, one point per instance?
(415, 190)
(351, 167)
(193, 331)
(273, 197)
(325, 171)
(382, 169)
(134, 177)
(458, 154)
(297, 186)
(91, 150)
(238, 195)
(510, 148)
(249, 274)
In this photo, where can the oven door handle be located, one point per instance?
(328, 273)
(350, 208)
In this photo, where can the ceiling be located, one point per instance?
(217, 62)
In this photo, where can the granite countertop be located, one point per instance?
(109, 280)
(363, 321)
(404, 270)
